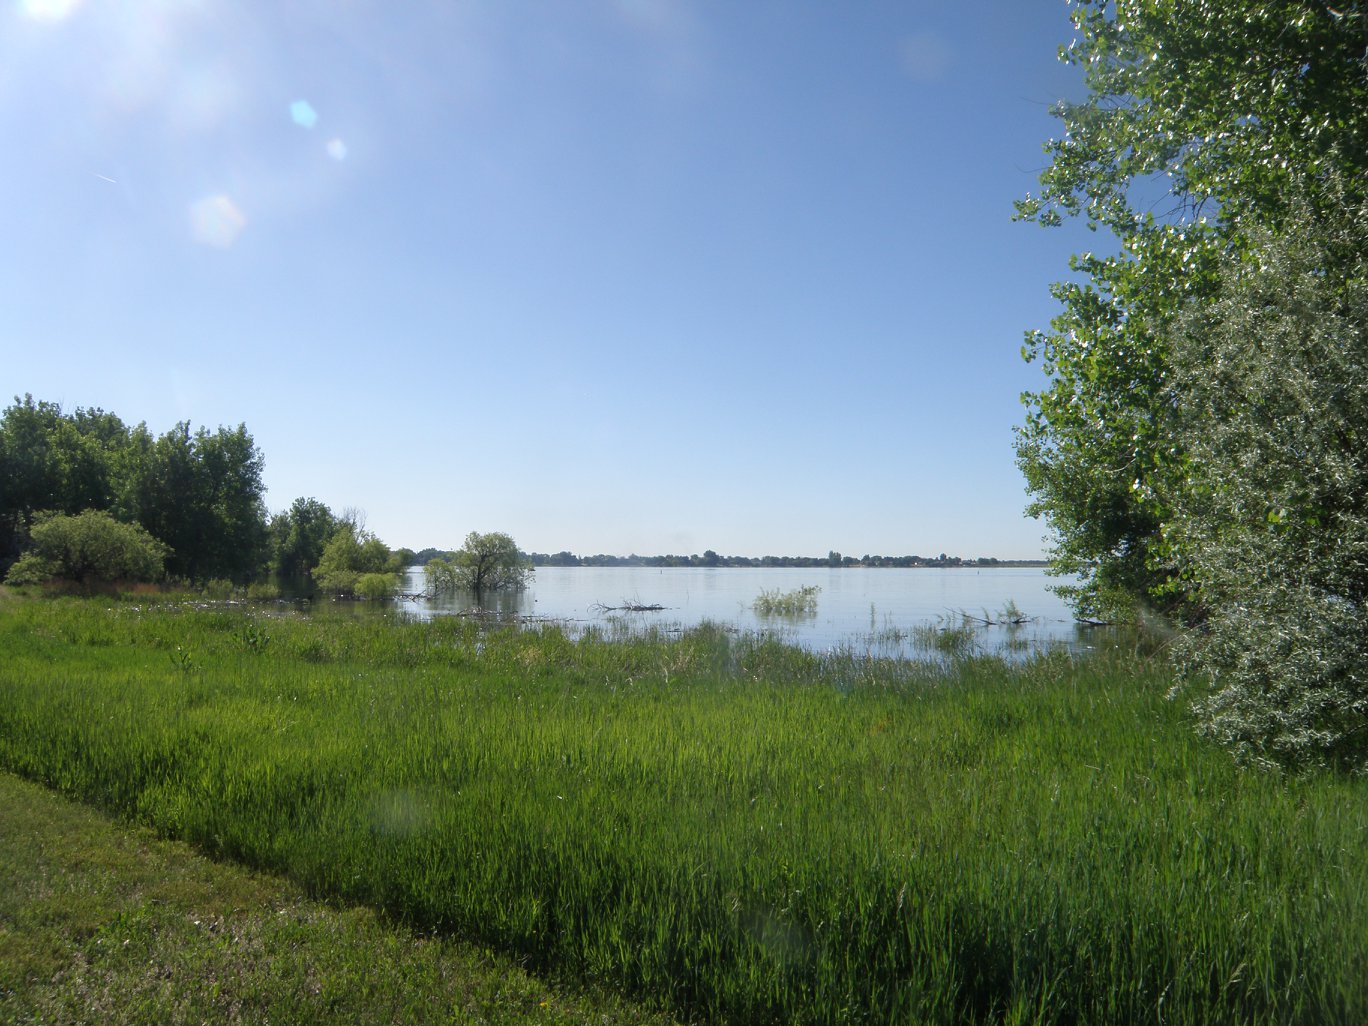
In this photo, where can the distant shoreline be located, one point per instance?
(833, 560)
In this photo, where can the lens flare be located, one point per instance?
(303, 114)
(216, 221)
(337, 149)
(48, 10)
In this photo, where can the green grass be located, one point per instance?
(730, 828)
(101, 922)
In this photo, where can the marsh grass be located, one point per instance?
(735, 829)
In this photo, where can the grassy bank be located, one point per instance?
(733, 829)
(102, 922)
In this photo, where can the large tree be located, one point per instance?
(50, 461)
(202, 494)
(1206, 122)
(1270, 531)
(298, 537)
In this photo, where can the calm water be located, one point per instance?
(874, 609)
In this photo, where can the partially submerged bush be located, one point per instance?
(798, 602)
(377, 586)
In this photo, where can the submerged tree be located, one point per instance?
(487, 562)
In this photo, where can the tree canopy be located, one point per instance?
(199, 493)
(1270, 531)
(298, 537)
(354, 555)
(487, 562)
(1201, 444)
(1206, 121)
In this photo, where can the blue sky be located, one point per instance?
(609, 275)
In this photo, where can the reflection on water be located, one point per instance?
(886, 612)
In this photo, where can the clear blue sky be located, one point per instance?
(609, 275)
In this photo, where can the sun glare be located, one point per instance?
(48, 10)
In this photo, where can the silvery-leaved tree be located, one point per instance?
(1206, 122)
(1269, 528)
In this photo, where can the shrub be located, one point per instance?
(376, 586)
(798, 602)
(88, 548)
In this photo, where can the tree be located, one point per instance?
(56, 463)
(299, 536)
(1270, 529)
(353, 553)
(88, 548)
(487, 562)
(202, 494)
(1204, 118)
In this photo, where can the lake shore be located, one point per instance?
(724, 825)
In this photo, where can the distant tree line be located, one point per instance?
(711, 558)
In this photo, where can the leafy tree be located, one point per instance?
(350, 555)
(1270, 530)
(87, 548)
(52, 462)
(299, 536)
(202, 494)
(1203, 119)
(487, 562)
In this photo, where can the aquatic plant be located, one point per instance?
(798, 602)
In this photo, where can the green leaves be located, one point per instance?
(1271, 524)
(1204, 118)
(487, 562)
(351, 557)
(88, 548)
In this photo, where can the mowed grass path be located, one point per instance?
(729, 828)
(106, 923)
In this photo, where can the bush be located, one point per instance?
(377, 586)
(798, 602)
(88, 548)
(351, 554)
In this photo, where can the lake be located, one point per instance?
(873, 609)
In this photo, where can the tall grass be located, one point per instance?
(738, 830)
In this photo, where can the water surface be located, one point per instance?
(876, 609)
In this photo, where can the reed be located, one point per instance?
(735, 829)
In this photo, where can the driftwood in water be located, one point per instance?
(626, 607)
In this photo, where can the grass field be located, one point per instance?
(728, 828)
